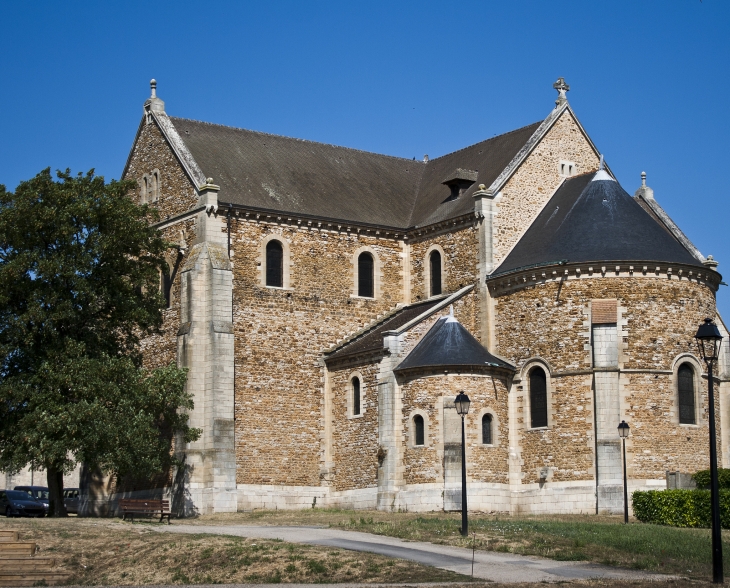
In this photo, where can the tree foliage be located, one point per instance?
(79, 288)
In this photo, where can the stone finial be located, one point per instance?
(562, 88)
(710, 262)
(643, 179)
(153, 103)
(644, 191)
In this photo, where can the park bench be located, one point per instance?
(145, 507)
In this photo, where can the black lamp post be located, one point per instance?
(462, 407)
(708, 341)
(623, 432)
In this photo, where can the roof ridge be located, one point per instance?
(297, 139)
(485, 141)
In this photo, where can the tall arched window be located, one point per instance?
(355, 396)
(365, 277)
(166, 286)
(419, 430)
(154, 186)
(686, 389)
(434, 260)
(538, 398)
(487, 429)
(144, 189)
(274, 264)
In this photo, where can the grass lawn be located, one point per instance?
(599, 539)
(109, 552)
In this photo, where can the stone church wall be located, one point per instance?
(528, 190)
(281, 333)
(355, 438)
(657, 319)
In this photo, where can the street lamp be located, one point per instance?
(623, 432)
(708, 342)
(462, 408)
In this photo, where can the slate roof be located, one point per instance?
(597, 221)
(372, 340)
(303, 177)
(449, 345)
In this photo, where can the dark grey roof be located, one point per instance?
(449, 345)
(372, 339)
(303, 177)
(589, 220)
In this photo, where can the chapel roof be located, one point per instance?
(592, 218)
(295, 176)
(449, 345)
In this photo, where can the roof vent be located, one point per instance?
(425, 158)
(459, 181)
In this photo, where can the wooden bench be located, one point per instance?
(146, 507)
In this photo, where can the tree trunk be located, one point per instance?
(55, 493)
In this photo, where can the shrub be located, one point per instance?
(679, 508)
(702, 478)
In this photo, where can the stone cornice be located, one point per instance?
(324, 224)
(560, 272)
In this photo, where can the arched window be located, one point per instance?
(166, 286)
(538, 398)
(274, 264)
(419, 430)
(365, 278)
(144, 189)
(487, 429)
(155, 186)
(686, 389)
(434, 259)
(355, 396)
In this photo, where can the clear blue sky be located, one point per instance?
(649, 81)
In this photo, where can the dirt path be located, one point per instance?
(490, 566)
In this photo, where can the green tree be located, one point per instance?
(79, 288)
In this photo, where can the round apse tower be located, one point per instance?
(597, 305)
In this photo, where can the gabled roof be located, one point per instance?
(294, 176)
(594, 219)
(450, 346)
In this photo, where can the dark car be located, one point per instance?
(40, 493)
(16, 503)
(71, 500)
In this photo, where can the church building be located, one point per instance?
(330, 304)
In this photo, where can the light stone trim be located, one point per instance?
(427, 440)
(186, 159)
(377, 273)
(701, 416)
(427, 269)
(505, 283)
(286, 262)
(527, 367)
(350, 395)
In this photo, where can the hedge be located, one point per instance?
(679, 508)
(702, 478)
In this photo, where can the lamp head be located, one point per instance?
(623, 430)
(708, 340)
(462, 403)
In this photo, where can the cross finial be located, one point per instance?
(562, 88)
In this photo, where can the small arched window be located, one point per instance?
(419, 430)
(355, 396)
(365, 277)
(274, 264)
(487, 429)
(434, 260)
(155, 186)
(144, 190)
(538, 398)
(686, 389)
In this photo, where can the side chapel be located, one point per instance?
(330, 303)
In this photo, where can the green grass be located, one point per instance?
(636, 545)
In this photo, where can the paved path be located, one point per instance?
(488, 565)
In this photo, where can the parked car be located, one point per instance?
(16, 503)
(40, 493)
(71, 499)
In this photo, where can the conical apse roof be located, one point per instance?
(592, 218)
(449, 345)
